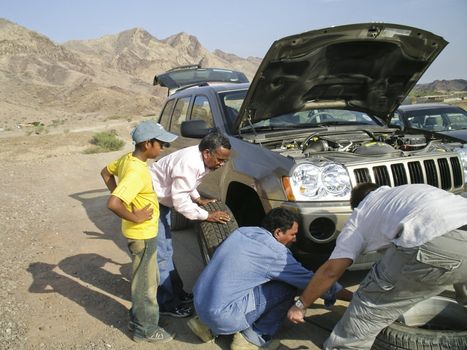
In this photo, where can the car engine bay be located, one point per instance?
(361, 142)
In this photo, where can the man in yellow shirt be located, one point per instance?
(135, 201)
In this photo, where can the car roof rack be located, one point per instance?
(188, 86)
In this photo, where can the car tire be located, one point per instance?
(437, 323)
(178, 221)
(212, 234)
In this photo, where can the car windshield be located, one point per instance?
(315, 118)
(437, 119)
(232, 101)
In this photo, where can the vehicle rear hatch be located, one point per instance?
(195, 75)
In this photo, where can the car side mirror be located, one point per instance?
(194, 128)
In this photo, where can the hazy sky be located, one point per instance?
(244, 27)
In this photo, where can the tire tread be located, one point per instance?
(212, 234)
(401, 337)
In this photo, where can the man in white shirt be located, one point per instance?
(175, 179)
(425, 233)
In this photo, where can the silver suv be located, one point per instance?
(312, 124)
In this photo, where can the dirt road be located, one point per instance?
(64, 266)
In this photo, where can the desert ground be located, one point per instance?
(64, 265)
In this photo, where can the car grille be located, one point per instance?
(441, 172)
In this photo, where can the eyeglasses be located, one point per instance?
(218, 159)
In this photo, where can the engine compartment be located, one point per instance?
(356, 142)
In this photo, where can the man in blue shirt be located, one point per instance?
(251, 282)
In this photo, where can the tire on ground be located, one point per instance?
(437, 323)
(178, 221)
(212, 234)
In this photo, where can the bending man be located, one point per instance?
(422, 226)
(175, 179)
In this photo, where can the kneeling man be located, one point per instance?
(251, 282)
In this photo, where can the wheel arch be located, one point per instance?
(245, 204)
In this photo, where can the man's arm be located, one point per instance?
(322, 280)
(182, 187)
(109, 179)
(213, 216)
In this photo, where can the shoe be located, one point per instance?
(179, 311)
(200, 330)
(160, 335)
(240, 343)
(186, 298)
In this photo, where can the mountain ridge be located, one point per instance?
(443, 86)
(109, 77)
(105, 78)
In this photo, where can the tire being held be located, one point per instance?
(212, 234)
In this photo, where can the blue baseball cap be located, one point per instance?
(149, 130)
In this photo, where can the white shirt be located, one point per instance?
(407, 216)
(175, 178)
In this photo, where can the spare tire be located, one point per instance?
(437, 323)
(211, 234)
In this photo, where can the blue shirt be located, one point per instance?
(249, 257)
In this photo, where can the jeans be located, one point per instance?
(171, 285)
(273, 300)
(402, 278)
(144, 312)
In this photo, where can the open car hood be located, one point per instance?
(193, 75)
(370, 67)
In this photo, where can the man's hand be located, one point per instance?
(296, 315)
(218, 216)
(322, 280)
(143, 214)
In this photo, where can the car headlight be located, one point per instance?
(462, 152)
(327, 181)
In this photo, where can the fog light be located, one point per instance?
(322, 229)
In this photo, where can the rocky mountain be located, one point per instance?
(442, 86)
(104, 78)
(109, 77)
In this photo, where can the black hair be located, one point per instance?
(360, 191)
(140, 145)
(213, 141)
(279, 218)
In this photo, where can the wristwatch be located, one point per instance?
(299, 304)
